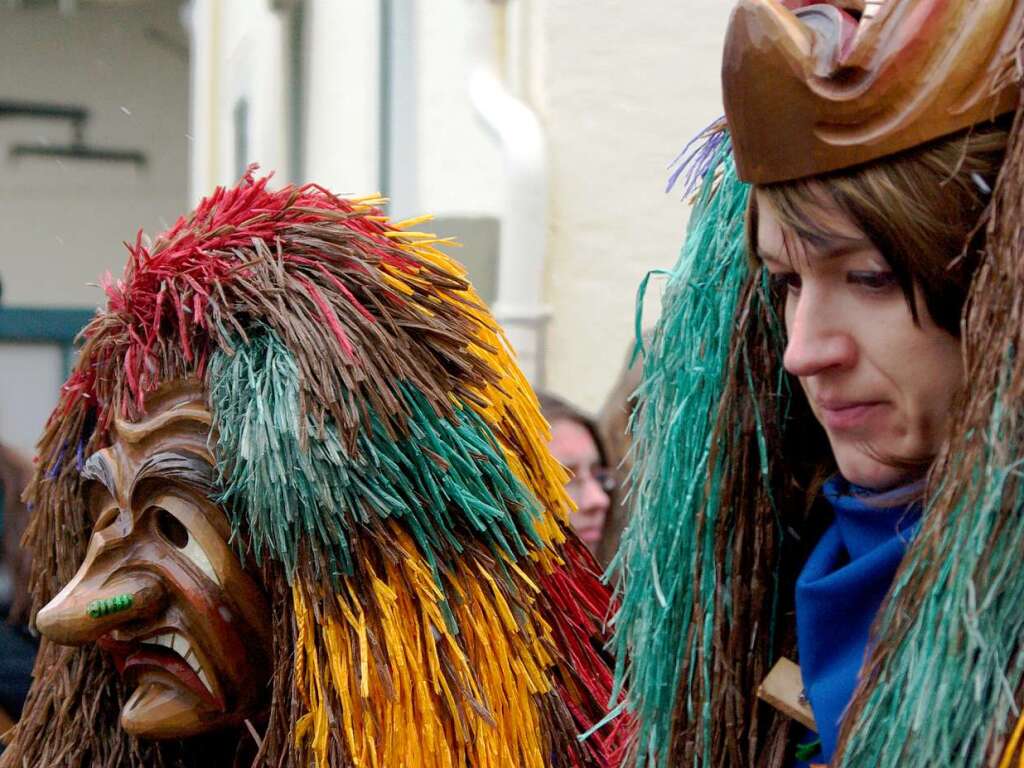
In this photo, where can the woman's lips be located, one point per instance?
(589, 535)
(840, 415)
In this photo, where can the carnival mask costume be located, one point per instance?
(708, 564)
(294, 508)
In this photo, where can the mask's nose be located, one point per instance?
(92, 604)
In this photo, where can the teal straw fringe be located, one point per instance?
(447, 481)
(671, 533)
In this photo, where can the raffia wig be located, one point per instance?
(383, 467)
(706, 568)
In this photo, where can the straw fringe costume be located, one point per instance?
(382, 463)
(707, 566)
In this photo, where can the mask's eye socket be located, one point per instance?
(171, 528)
(176, 533)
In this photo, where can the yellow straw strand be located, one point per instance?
(1013, 746)
(472, 696)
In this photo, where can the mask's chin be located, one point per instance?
(161, 709)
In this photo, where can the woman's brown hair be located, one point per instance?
(554, 408)
(920, 208)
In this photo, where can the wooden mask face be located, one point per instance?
(160, 589)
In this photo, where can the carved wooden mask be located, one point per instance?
(816, 87)
(161, 589)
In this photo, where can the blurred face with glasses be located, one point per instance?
(590, 482)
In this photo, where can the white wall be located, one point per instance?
(238, 54)
(621, 87)
(343, 95)
(30, 379)
(241, 50)
(459, 164)
(63, 221)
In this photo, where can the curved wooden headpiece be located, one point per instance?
(812, 88)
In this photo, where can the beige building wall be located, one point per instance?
(621, 87)
(459, 166)
(238, 75)
(342, 55)
(63, 221)
(242, 54)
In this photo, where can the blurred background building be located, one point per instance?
(536, 131)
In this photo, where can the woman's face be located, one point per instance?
(880, 385)
(572, 445)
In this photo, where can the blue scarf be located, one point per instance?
(840, 589)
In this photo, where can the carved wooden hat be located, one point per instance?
(811, 88)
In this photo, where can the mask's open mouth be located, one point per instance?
(167, 651)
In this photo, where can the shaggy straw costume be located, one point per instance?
(708, 563)
(381, 457)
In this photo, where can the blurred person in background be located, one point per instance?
(577, 444)
(613, 422)
(17, 646)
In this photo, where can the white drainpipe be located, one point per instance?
(522, 244)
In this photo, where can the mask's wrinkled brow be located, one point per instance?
(137, 432)
(182, 467)
(98, 468)
(179, 467)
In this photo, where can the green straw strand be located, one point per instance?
(445, 479)
(683, 381)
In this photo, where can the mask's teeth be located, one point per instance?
(205, 679)
(193, 662)
(180, 646)
(871, 8)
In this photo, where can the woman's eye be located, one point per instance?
(874, 280)
(784, 282)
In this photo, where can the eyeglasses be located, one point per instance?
(603, 476)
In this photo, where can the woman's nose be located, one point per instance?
(817, 339)
(593, 497)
